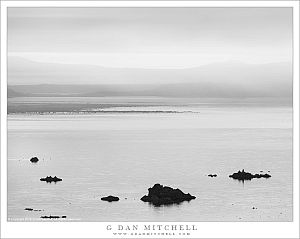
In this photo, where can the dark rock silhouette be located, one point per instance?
(53, 217)
(212, 175)
(31, 209)
(159, 195)
(50, 179)
(110, 198)
(34, 160)
(242, 175)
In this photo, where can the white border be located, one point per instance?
(98, 229)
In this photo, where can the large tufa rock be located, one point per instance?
(34, 160)
(159, 195)
(110, 198)
(242, 175)
(50, 179)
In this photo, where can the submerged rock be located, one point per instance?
(162, 195)
(212, 175)
(242, 175)
(110, 198)
(34, 160)
(50, 179)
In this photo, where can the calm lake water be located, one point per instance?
(124, 151)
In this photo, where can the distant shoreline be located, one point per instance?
(105, 112)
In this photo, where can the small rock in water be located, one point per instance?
(162, 195)
(50, 179)
(53, 217)
(110, 198)
(242, 175)
(34, 160)
(31, 209)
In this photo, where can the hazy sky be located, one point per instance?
(150, 37)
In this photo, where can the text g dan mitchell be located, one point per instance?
(151, 227)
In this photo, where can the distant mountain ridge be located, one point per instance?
(234, 80)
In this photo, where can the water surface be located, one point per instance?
(123, 153)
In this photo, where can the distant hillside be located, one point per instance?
(231, 79)
(11, 93)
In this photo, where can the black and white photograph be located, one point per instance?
(150, 114)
